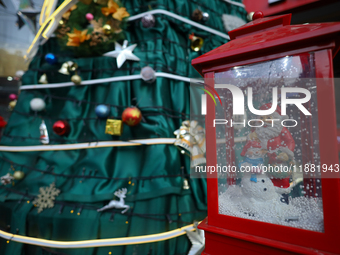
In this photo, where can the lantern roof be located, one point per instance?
(266, 36)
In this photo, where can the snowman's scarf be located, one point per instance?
(253, 161)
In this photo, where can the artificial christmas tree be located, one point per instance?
(68, 182)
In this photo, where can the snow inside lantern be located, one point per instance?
(271, 151)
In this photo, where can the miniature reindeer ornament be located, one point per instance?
(117, 204)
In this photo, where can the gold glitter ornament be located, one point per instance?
(107, 29)
(114, 127)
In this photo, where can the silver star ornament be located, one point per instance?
(122, 53)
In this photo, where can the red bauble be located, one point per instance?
(12, 97)
(3, 123)
(258, 15)
(132, 116)
(61, 127)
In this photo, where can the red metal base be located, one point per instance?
(221, 241)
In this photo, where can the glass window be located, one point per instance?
(269, 165)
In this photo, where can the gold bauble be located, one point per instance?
(19, 175)
(12, 104)
(107, 29)
(76, 79)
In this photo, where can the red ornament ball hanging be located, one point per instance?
(12, 97)
(258, 15)
(89, 16)
(132, 116)
(3, 123)
(61, 127)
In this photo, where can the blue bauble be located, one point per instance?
(51, 58)
(102, 111)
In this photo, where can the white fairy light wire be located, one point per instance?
(101, 144)
(185, 20)
(91, 145)
(234, 3)
(98, 242)
(103, 80)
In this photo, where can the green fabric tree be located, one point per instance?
(87, 178)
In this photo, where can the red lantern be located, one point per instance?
(252, 210)
(132, 116)
(61, 127)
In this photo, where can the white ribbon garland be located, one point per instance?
(91, 145)
(185, 20)
(97, 81)
(98, 242)
(234, 3)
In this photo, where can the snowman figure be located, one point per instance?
(255, 194)
(253, 159)
(256, 200)
(256, 187)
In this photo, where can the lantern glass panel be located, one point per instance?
(268, 165)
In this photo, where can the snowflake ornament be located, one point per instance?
(46, 197)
